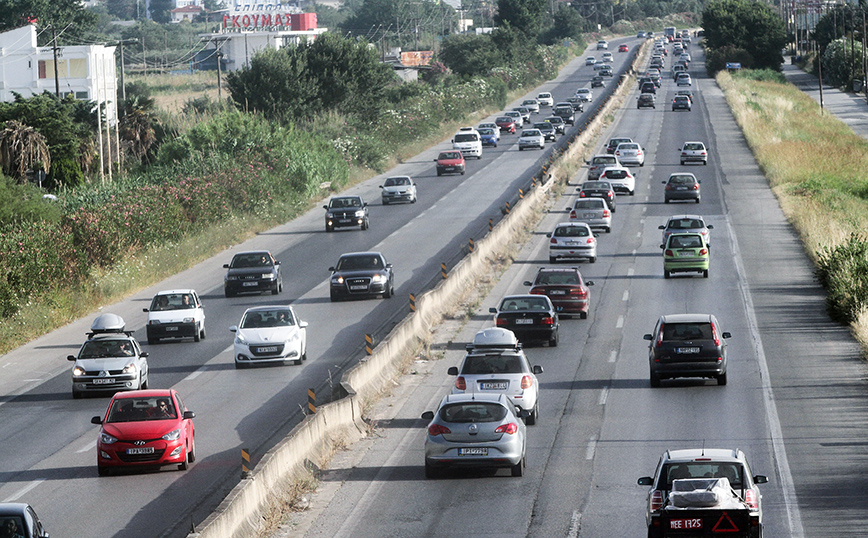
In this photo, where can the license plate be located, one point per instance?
(590, 215)
(267, 349)
(524, 321)
(493, 386)
(104, 381)
(343, 221)
(692, 523)
(685, 253)
(473, 451)
(358, 288)
(596, 194)
(557, 292)
(680, 188)
(143, 450)
(171, 328)
(686, 350)
(250, 283)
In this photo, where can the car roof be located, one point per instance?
(717, 454)
(268, 307)
(523, 296)
(175, 292)
(686, 318)
(558, 269)
(498, 397)
(149, 393)
(579, 224)
(353, 254)
(12, 509)
(692, 217)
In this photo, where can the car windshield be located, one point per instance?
(279, 317)
(173, 301)
(544, 126)
(101, 349)
(682, 180)
(341, 203)
(258, 259)
(687, 331)
(491, 364)
(590, 204)
(555, 119)
(466, 137)
(603, 160)
(631, 147)
(595, 185)
(531, 132)
(360, 263)
(472, 412)
(675, 471)
(504, 119)
(685, 224)
(396, 181)
(449, 155)
(138, 409)
(615, 173)
(523, 303)
(486, 132)
(559, 277)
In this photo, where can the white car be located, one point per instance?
(398, 189)
(630, 153)
(590, 60)
(620, 178)
(175, 314)
(694, 152)
(607, 57)
(572, 241)
(585, 94)
(602, 45)
(110, 360)
(545, 99)
(269, 334)
(531, 104)
(496, 363)
(531, 138)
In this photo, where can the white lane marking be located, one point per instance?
(626, 295)
(87, 448)
(638, 234)
(575, 525)
(592, 446)
(631, 271)
(23, 491)
(604, 396)
(634, 252)
(613, 356)
(788, 488)
(196, 374)
(620, 323)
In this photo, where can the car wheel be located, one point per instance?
(413, 201)
(553, 341)
(389, 291)
(102, 471)
(329, 229)
(583, 315)
(229, 294)
(632, 193)
(705, 274)
(202, 333)
(520, 148)
(439, 173)
(240, 365)
(682, 163)
(431, 472)
(655, 380)
(334, 297)
(666, 201)
(552, 259)
(518, 468)
(76, 395)
(304, 355)
(704, 163)
(184, 465)
(721, 379)
(666, 274)
(385, 202)
(533, 416)
(365, 224)
(155, 341)
(191, 454)
(276, 290)
(462, 172)
(198, 335)
(592, 260)
(144, 383)
(642, 164)
(608, 229)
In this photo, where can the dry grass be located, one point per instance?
(816, 165)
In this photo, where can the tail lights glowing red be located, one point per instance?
(437, 429)
(510, 428)
(751, 499)
(548, 320)
(526, 382)
(460, 383)
(659, 341)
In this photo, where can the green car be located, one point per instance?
(685, 252)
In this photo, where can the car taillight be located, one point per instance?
(582, 194)
(511, 428)
(591, 240)
(437, 429)
(526, 382)
(548, 320)
(537, 291)
(606, 213)
(668, 252)
(714, 334)
(751, 499)
(578, 292)
(696, 186)
(572, 216)
(656, 500)
(668, 187)
(610, 194)
(500, 321)
(684, 154)
(460, 384)
(659, 341)
(703, 251)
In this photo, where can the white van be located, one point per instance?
(468, 141)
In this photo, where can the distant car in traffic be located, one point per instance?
(565, 287)
(694, 152)
(533, 318)
(630, 153)
(565, 111)
(257, 271)
(489, 136)
(531, 138)
(346, 212)
(616, 141)
(681, 102)
(558, 122)
(685, 253)
(175, 314)
(398, 189)
(593, 211)
(624, 48)
(532, 105)
(682, 186)
(598, 189)
(110, 360)
(572, 241)
(598, 163)
(361, 274)
(451, 162)
(646, 100)
(545, 99)
(620, 178)
(268, 335)
(687, 345)
(585, 94)
(687, 223)
(547, 129)
(506, 124)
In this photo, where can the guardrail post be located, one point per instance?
(520, 194)
(490, 224)
(470, 243)
(507, 207)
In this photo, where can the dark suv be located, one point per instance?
(687, 345)
(702, 463)
(344, 211)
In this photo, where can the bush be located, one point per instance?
(843, 272)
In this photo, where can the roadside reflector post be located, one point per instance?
(412, 303)
(520, 194)
(490, 224)
(470, 244)
(245, 462)
(369, 344)
(443, 270)
(507, 207)
(311, 401)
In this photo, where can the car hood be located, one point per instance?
(241, 271)
(360, 273)
(105, 364)
(268, 334)
(398, 188)
(172, 316)
(141, 429)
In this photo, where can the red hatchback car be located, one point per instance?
(450, 162)
(623, 48)
(145, 428)
(506, 123)
(565, 287)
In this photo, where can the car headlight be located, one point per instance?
(232, 277)
(378, 279)
(188, 320)
(106, 439)
(173, 435)
(77, 371)
(153, 322)
(130, 369)
(337, 279)
(240, 339)
(268, 276)
(360, 213)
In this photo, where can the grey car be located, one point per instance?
(694, 152)
(598, 163)
(592, 211)
(475, 430)
(547, 129)
(110, 360)
(703, 463)
(398, 189)
(682, 187)
(686, 224)
(687, 345)
(572, 241)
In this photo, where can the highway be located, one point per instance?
(795, 402)
(47, 452)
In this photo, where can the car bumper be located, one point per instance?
(595, 223)
(164, 453)
(572, 253)
(522, 145)
(263, 353)
(450, 169)
(403, 197)
(675, 265)
(689, 369)
(532, 334)
(171, 330)
(571, 305)
(441, 453)
(681, 195)
(254, 286)
(373, 289)
(115, 383)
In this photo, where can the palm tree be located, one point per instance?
(22, 149)
(137, 125)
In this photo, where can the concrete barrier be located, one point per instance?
(240, 512)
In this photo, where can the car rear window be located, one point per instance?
(590, 204)
(473, 412)
(706, 469)
(616, 174)
(682, 180)
(558, 277)
(491, 364)
(524, 303)
(684, 224)
(449, 155)
(571, 231)
(687, 331)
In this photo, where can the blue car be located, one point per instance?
(488, 137)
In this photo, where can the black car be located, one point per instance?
(576, 103)
(361, 274)
(346, 211)
(606, 71)
(615, 142)
(533, 318)
(687, 345)
(19, 519)
(681, 102)
(252, 271)
(647, 100)
(598, 189)
(597, 81)
(565, 111)
(547, 129)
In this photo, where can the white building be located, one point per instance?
(87, 72)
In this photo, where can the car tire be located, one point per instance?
(229, 294)
(697, 200)
(705, 274)
(520, 148)
(552, 259)
(655, 380)
(439, 173)
(304, 355)
(184, 465)
(462, 172)
(666, 274)
(144, 384)
(198, 335)
(431, 472)
(77, 395)
(365, 224)
(608, 229)
(191, 455)
(334, 297)
(202, 333)
(704, 163)
(276, 290)
(642, 164)
(533, 416)
(518, 468)
(592, 260)
(102, 471)
(682, 163)
(155, 341)
(385, 202)
(666, 201)
(721, 379)
(553, 341)
(330, 229)
(632, 193)
(389, 291)
(583, 315)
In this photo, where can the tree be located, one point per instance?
(470, 54)
(123, 9)
(568, 24)
(160, 10)
(524, 15)
(750, 26)
(67, 17)
(22, 149)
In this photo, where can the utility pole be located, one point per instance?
(121, 43)
(56, 71)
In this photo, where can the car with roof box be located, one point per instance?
(468, 142)
(110, 360)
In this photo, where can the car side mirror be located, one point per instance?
(327, 207)
(492, 310)
(144, 354)
(302, 324)
(648, 337)
(760, 479)
(388, 266)
(726, 334)
(663, 182)
(70, 357)
(225, 266)
(435, 160)
(381, 186)
(453, 370)
(145, 310)
(332, 269)
(233, 328)
(568, 209)
(276, 262)
(661, 227)
(98, 420)
(428, 415)
(662, 246)
(528, 283)
(364, 204)
(537, 369)
(589, 282)
(710, 226)
(189, 414)
(645, 481)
